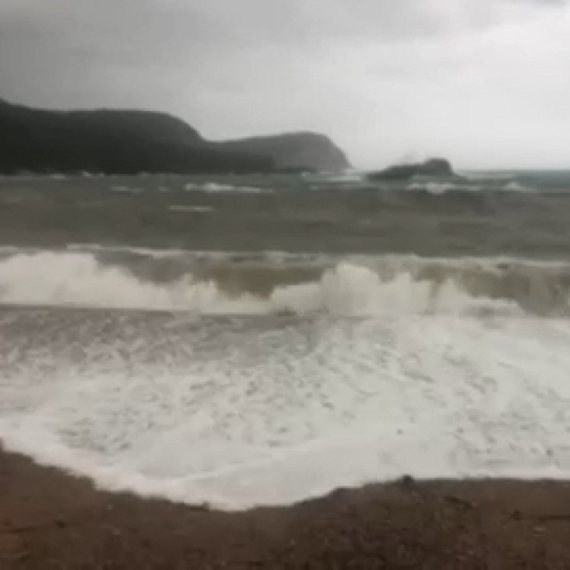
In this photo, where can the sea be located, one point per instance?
(242, 341)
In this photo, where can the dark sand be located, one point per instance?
(51, 520)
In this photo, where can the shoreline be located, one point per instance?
(49, 519)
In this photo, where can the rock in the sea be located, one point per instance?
(437, 167)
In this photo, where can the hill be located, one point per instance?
(294, 151)
(130, 142)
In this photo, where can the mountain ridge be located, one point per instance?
(117, 141)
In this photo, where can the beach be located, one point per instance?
(310, 389)
(285, 285)
(49, 519)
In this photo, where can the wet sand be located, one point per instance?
(51, 520)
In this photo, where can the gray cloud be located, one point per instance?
(482, 81)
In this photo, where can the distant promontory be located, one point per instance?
(436, 167)
(131, 142)
(293, 151)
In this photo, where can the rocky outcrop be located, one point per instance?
(294, 151)
(129, 142)
(435, 167)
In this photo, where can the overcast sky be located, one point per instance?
(483, 82)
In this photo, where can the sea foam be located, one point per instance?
(247, 412)
(346, 289)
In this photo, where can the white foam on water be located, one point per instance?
(269, 256)
(430, 381)
(247, 413)
(78, 279)
(215, 187)
(279, 256)
(185, 208)
(437, 188)
(440, 188)
(514, 186)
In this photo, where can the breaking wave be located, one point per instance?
(356, 286)
(439, 188)
(454, 377)
(216, 187)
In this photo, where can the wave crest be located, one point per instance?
(356, 287)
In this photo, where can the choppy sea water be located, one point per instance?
(246, 342)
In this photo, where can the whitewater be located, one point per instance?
(244, 379)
